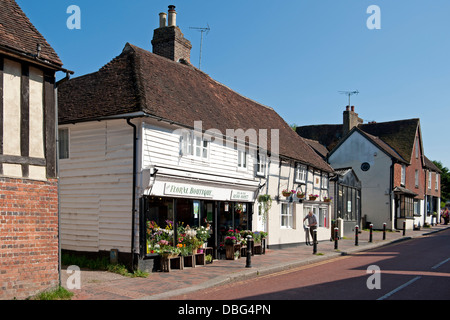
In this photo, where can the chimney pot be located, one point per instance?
(162, 19)
(347, 108)
(172, 16)
(353, 108)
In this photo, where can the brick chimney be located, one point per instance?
(351, 120)
(168, 40)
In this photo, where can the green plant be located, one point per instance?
(208, 258)
(266, 203)
(59, 293)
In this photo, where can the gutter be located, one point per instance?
(133, 204)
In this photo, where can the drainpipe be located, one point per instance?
(133, 204)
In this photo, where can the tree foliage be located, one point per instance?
(445, 181)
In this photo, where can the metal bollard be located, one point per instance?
(335, 238)
(404, 227)
(248, 262)
(356, 235)
(384, 231)
(371, 233)
(315, 241)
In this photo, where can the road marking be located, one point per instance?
(399, 288)
(440, 264)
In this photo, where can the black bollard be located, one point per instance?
(370, 235)
(248, 263)
(315, 241)
(356, 235)
(384, 231)
(335, 238)
(404, 227)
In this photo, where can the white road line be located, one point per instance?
(399, 288)
(440, 264)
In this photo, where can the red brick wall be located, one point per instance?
(28, 237)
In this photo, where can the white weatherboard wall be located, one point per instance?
(375, 183)
(96, 187)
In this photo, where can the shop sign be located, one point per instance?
(241, 195)
(187, 190)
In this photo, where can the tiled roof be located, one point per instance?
(395, 137)
(138, 80)
(430, 165)
(18, 33)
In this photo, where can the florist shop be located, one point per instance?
(191, 217)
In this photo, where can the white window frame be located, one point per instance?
(261, 165)
(287, 216)
(194, 146)
(63, 143)
(436, 183)
(242, 159)
(403, 175)
(320, 212)
(300, 173)
(324, 181)
(429, 179)
(416, 178)
(417, 148)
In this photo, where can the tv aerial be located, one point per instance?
(202, 31)
(349, 94)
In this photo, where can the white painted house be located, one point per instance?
(151, 138)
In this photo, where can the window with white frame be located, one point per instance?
(287, 216)
(194, 146)
(436, 183)
(416, 178)
(300, 173)
(321, 213)
(242, 159)
(403, 175)
(324, 181)
(261, 165)
(429, 179)
(63, 143)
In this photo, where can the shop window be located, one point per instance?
(406, 207)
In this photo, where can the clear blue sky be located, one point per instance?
(292, 55)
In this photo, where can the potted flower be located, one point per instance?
(327, 199)
(287, 193)
(239, 208)
(203, 235)
(230, 241)
(313, 197)
(300, 194)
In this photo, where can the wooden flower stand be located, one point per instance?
(199, 259)
(189, 261)
(171, 262)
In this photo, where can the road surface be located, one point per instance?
(409, 270)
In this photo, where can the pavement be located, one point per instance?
(101, 285)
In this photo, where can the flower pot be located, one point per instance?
(312, 198)
(229, 251)
(300, 196)
(286, 194)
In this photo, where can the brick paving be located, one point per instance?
(164, 285)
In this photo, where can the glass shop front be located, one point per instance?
(217, 216)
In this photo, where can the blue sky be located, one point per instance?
(292, 55)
